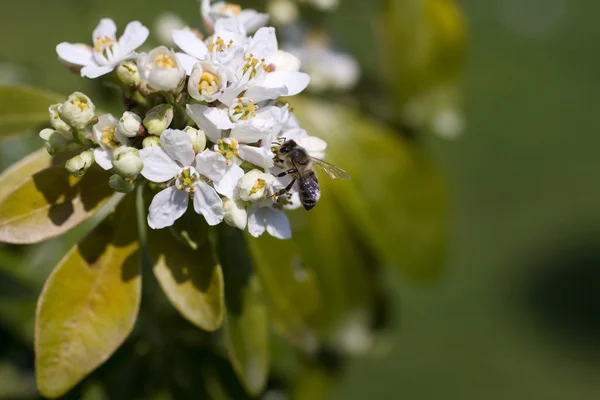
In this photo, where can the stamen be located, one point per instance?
(185, 180)
(165, 61)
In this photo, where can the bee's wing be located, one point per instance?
(330, 169)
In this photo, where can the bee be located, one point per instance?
(301, 166)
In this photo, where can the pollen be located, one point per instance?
(243, 109)
(82, 105)
(230, 9)
(219, 45)
(186, 179)
(108, 136)
(229, 148)
(102, 43)
(254, 65)
(165, 61)
(209, 83)
(259, 185)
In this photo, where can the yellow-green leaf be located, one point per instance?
(28, 166)
(191, 279)
(395, 201)
(49, 202)
(89, 304)
(247, 338)
(23, 109)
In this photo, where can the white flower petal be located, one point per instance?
(264, 44)
(106, 28)
(93, 71)
(211, 164)
(261, 93)
(158, 166)
(187, 62)
(208, 203)
(252, 20)
(219, 117)
(248, 133)
(134, 36)
(167, 206)
(294, 82)
(190, 43)
(196, 112)
(227, 184)
(103, 158)
(256, 155)
(74, 54)
(277, 223)
(178, 145)
(294, 134)
(256, 220)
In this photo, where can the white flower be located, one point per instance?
(206, 82)
(126, 162)
(77, 111)
(313, 145)
(129, 124)
(129, 73)
(255, 185)
(287, 62)
(79, 164)
(198, 138)
(262, 216)
(158, 119)
(250, 19)
(175, 161)
(107, 52)
(235, 213)
(55, 120)
(283, 12)
(224, 48)
(164, 25)
(161, 70)
(107, 136)
(256, 73)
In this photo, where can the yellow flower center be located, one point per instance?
(219, 45)
(259, 185)
(229, 148)
(165, 61)
(82, 105)
(252, 65)
(186, 179)
(102, 43)
(108, 136)
(231, 9)
(209, 83)
(243, 109)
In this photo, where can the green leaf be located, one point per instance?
(28, 166)
(247, 328)
(247, 338)
(49, 202)
(89, 304)
(24, 109)
(191, 279)
(395, 201)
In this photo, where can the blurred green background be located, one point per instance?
(515, 314)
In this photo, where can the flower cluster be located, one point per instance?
(202, 125)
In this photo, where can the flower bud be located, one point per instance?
(55, 120)
(120, 184)
(56, 141)
(151, 141)
(158, 119)
(77, 111)
(78, 165)
(286, 62)
(254, 185)
(161, 70)
(126, 162)
(206, 82)
(128, 73)
(130, 124)
(283, 12)
(235, 213)
(198, 139)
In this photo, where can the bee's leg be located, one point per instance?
(288, 172)
(284, 190)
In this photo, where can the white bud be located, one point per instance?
(158, 119)
(128, 73)
(126, 162)
(235, 213)
(55, 120)
(286, 62)
(283, 12)
(77, 111)
(161, 70)
(56, 141)
(78, 165)
(120, 184)
(198, 139)
(129, 124)
(255, 185)
(206, 82)
(151, 141)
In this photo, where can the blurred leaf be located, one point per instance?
(23, 109)
(247, 329)
(247, 337)
(191, 279)
(395, 202)
(28, 166)
(89, 303)
(50, 202)
(313, 382)
(432, 37)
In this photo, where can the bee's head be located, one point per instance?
(287, 146)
